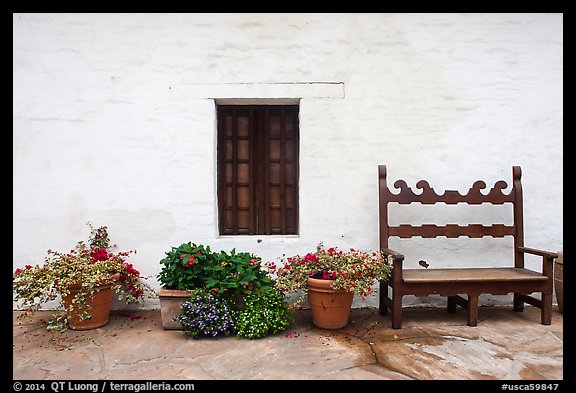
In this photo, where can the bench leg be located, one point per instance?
(546, 310)
(382, 307)
(518, 303)
(451, 304)
(472, 310)
(396, 311)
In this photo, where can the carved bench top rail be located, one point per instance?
(450, 197)
(474, 195)
(451, 230)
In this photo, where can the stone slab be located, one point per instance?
(432, 345)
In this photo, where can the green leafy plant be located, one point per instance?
(265, 312)
(206, 314)
(236, 274)
(353, 270)
(88, 265)
(226, 285)
(183, 266)
(191, 266)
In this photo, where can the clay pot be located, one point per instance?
(170, 301)
(101, 302)
(559, 280)
(330, 308)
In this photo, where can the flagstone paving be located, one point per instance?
(432, 345)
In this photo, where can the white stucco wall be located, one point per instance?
(114, 123)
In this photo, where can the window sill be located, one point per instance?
(258, 237)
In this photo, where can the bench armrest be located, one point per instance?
(547, 259)
(396, 256)
(397, 259)
(535, 251)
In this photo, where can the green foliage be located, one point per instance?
(184, 266)
(233, 274)
(265, 312)
(221, 282)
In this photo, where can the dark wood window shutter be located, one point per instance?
(258, 151)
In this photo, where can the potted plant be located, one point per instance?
(329, 278)
(181, 272)
(193, 266)
(207, 314)
(86, 279)
(265, 311)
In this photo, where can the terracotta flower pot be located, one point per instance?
(559, 280)
(170, 301)
(101, 302)
(330, 308)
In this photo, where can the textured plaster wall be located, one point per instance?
(114, 123)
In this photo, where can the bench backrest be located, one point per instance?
(474, 197)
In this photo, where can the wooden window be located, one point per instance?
(258, 150)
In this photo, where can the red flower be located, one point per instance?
(18, 271)
(191, 261)
(28, 267)
(130, 270)
(272, 266)
(99, 255)
(138, 293)
(253, 262)
(311, 257)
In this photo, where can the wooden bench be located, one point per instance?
(469, 281)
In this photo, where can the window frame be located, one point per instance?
(260, 208)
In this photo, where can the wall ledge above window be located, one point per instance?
(257, 101)
(264, 90)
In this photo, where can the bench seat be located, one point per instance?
(479, 274)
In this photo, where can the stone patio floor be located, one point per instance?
(432, 345)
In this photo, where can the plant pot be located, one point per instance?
(559, 280)
(100, 302)
(170, 301)
(330, 308)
